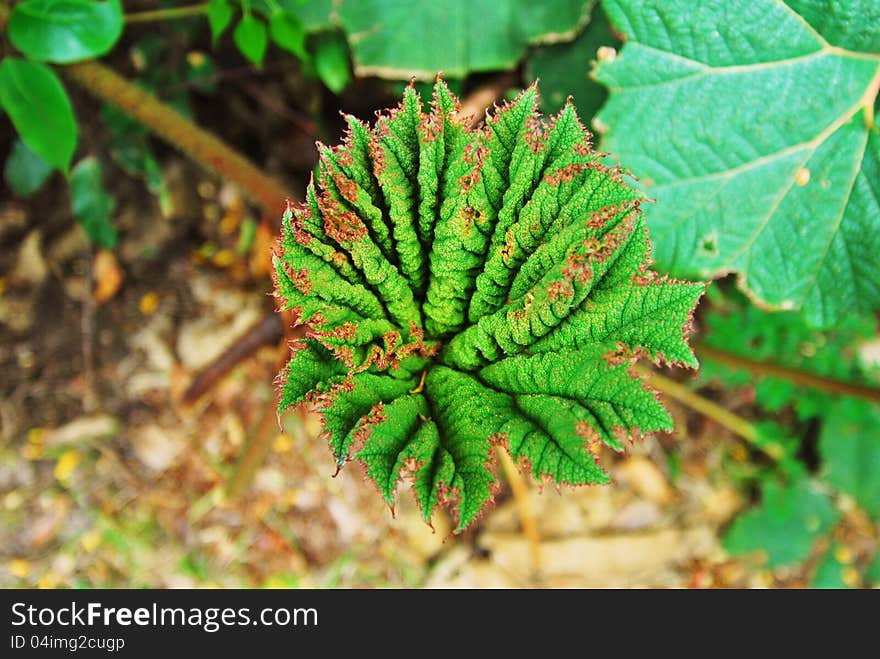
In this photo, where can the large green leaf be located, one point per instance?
(399, 40)
(787, 524)
(751, 124)
(466, 288)
(40, 110)
(64, 31)
(850, 449)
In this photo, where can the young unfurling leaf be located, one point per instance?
(470, 287)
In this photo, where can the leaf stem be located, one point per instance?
(803, 378)
(204, 148)
(520, 491)
(167, 14)
(733, 422)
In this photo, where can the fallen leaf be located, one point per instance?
(66, 465)
(108, 276)
(31, 268)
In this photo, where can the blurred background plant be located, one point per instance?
(149, 148)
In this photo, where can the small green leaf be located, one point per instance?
(331, 61)
(251, 38)
(40, 110)
(64, 31)
(288, 33)
(219, 16)
(785, 526)
(91, 204)
(25, 171)
(850, 447)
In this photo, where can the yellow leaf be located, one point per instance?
(91, 540)
(66, 464)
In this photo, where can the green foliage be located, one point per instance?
(850, 449)
(872, 574)
(564, 68)
(830, 572)
(331, 61)
(288, 32)
(220, 15)
(465, 288)
(251, 38)
(786, 525)
(64, 31)
(40, 110)
(400, 40)
(784, 338)
(90, 203)
(251, 34)
(759, 145)
(25, 171)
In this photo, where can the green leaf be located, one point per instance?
(734, 325)
(465, 288)
(288, 33)
(90, 203)
(331, 61)
(40, 110)
(755, 143)
(220, 15)
(564, 68)
(872, 575)
(401, 40)
(786, 525)
(850, 448)
(25, 171)
(251, 38)
(830, 572)
(64, 31)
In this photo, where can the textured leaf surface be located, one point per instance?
(791, 518)
(465, 288)
(750, 122)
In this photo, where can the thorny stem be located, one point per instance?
(167, 14)
(201, 146)
(793, 375)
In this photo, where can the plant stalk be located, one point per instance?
(201, 146)
(796, 376)
(170, 13)
(733, 422)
